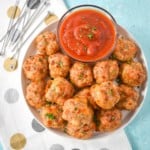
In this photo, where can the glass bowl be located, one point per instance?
(87, 33)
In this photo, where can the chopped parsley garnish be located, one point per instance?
(113, 72)
(53, 88)
(50, 116)
(112, 118)
(60, 63)
(90, 36)
(40, 59)
(129, 61)
(81, 76)
(110, 92)
(93, 28)
(112, 56)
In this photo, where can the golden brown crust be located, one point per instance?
(36, 67)
(128, 98)
(59, 65)
(83, 132)
(35, 94)
(59, 91)
(109, 120)
(52, 116)
(107, 70)
(125, 49)
(46, 43)
(133, 74)
(77, 111)
(106, 95)
(81, 75)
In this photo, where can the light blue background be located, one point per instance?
(1, 147)
(134, 15)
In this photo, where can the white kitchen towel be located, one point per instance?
(15, 116)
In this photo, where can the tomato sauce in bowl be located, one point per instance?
(87, 33)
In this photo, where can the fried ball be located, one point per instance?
(106, 70)
(52, 116)
(35, 94)
(59, 91)
(133, 74)
(46, 43)
(41, 44)
(125, 49)
(109, 120)
(81, 74)
(35, 67)
(52, 47)
(85, 93)
(128, 98)
(59, 65)
(83, 132)
(49, 36)
(106, 95)
(77, 111)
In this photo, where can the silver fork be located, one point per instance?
(30, 5)
(30, 22)
(12, 30)
(11, 21)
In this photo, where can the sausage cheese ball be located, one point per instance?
(46, 43)
(125, 49)
(106, 71)
(84, 132)
(59, 91)
(59, 65)
(128, 98)
(52, 116)
(106, 95)
(35, 94)
(85, 94)
(81, 74)
(35, 67)
(133, 74)
(77, 111)
(109, 120)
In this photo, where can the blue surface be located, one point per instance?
(134, 15)
(1, 147)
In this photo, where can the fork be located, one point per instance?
(11, 21)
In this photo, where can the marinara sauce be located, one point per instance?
(87, 35)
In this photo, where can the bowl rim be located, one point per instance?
(88, 5)
(100, 9)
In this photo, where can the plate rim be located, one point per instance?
(100, 135)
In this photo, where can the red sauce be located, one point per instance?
(87, 35)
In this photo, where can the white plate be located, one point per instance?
(127, 116)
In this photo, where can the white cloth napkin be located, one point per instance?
(15, 116)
